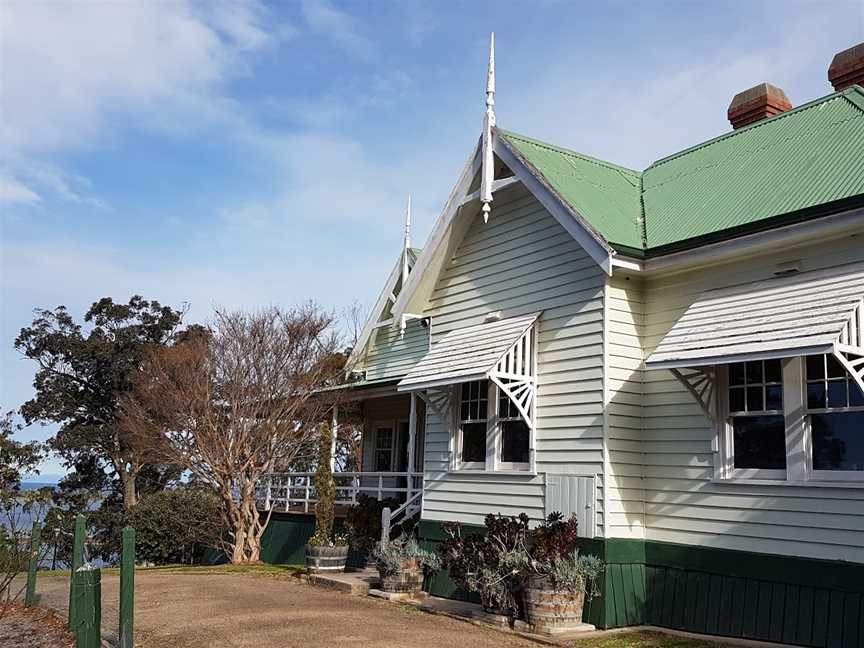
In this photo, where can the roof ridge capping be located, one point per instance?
(848, 93)
(561, 149)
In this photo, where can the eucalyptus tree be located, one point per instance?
(83, 369)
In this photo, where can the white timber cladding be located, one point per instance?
(682, 501)
(521, 262)
(804, 313)
(381, 310)
(390, 354)
(625, 325)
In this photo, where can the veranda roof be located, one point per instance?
(806, 313)
(467, 354)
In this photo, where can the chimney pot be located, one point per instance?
(757, 103)
(847, 68)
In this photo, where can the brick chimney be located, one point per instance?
(760, 101)
(847, 68)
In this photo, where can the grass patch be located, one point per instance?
(259, 568)
(643, 640)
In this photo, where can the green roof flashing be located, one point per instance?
(797, 163)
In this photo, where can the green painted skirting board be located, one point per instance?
(284, 540)
(715, 591)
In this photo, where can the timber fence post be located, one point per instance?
(33, 565)
(127, 589)
(87, 602)
(77, 561)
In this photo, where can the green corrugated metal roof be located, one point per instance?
(800, 159)
(605, 194)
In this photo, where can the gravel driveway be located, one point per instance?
(189, 610)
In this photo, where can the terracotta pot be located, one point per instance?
(408, 578)
(549, 610)
(326, 559)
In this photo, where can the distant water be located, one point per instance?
(37, 485)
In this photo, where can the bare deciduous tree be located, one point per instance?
(237, 402)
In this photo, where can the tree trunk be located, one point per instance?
(246, 526)
(128, 477)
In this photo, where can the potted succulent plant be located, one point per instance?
(489, 564)
(556, 578)
(325, 551)
(402, 563)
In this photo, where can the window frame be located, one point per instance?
(384, 425)
(728, 471)
(799, 451)
(500, 464)
(825, 475)
(471, 465)
(493, 462)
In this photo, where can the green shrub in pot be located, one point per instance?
(325, 551)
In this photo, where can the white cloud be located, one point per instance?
(636, 114)
(12, 191)
(39, 177)
(343, 29)
(71, 69)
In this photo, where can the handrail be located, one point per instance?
(284, 490)
(408, 510)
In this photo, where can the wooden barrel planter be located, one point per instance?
(326, 559)
(408, 578)
(551, 611)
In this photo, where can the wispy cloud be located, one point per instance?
(13, 191)
(72, 72)
(635, 114)
(338, 26)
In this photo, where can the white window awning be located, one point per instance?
(806, 313)
(475, 353)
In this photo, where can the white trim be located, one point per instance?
(439, 231)
(497, 185)
(739, 357)
(627, 263)
(594, 244)
(576, 225)
(607, 464)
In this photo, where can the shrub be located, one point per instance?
(574, 573)
(363, 521)
(555, 538)
(488, 564)
(390, 557)
(176, 526)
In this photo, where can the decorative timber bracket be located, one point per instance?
(441, 400)
(515, 375)
(849, 350)
(701, 382)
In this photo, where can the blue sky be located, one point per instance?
(243, 153)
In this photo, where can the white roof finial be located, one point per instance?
(407, 245)
(488, 170)
(490, 80)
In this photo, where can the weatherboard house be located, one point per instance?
(675, 355)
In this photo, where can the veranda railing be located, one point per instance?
(295, 491)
